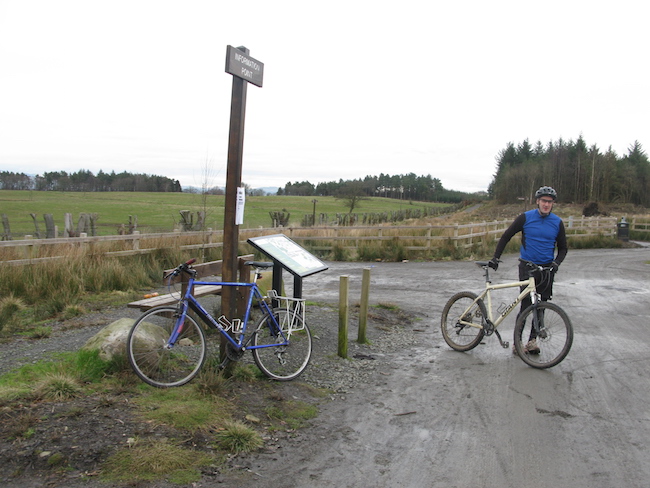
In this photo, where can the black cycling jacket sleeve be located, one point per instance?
(516, 226)
(562, 247)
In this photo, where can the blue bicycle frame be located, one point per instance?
(190, 302)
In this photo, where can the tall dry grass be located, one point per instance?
(45, 289)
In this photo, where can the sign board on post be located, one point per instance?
(288, 255)
(239, 210)
(243, 66)
(295, 259)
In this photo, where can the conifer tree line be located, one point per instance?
(403, 187)
(86, 181)
(580, 173)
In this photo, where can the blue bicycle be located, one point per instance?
(167, 346)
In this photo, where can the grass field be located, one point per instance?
(159, 212)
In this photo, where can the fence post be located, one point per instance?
(343, 317)
(68, 226)
(136, 240)
(83, 243)
(6, 236)
(29, 249)
(363, 307)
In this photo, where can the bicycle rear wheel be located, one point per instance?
(554, 338)
(286, 362)
(153, 360)
(463, 337)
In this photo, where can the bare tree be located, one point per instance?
(352, 193)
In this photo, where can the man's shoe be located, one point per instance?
(531, 347)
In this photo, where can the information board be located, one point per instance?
(290, 255)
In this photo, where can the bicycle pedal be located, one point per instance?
(505, 345)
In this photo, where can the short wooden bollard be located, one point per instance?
(363, 306)
(344, 312)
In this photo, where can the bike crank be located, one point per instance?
(505, 344)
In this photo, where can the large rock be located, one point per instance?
(111, 340)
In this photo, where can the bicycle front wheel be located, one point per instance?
(154, 360)
(546, 345)
(463, 307)
(284, 362)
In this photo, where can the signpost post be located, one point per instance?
(244, 70)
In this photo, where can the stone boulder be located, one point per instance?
(111, 340)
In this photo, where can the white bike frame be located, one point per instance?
(489, 287)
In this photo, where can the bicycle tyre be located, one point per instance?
(467, 337)
(154, 362)
(554, 341)
(282, 363)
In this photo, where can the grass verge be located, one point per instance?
(173, 435)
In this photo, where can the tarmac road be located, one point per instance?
(434, 417)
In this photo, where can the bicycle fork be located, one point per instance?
(179, 326)
(538, 329)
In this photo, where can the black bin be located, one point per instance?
(623, 230)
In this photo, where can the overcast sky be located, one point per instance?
(351, 88)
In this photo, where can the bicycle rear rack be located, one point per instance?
(294, 319)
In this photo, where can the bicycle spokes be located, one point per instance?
(463, 320)
(277, 356)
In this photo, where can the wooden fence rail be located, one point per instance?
(416, 237)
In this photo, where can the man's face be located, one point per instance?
(545, 205)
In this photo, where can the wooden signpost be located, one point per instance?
(241, 65)
(244, 69)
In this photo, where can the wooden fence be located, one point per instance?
(417, 238)
(427, 237)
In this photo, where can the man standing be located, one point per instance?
(541, 232)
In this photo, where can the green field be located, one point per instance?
(159, 212)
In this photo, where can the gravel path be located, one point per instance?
(66, 336)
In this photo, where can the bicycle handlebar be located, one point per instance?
(532, 266)
(185, 267)
(536, 267)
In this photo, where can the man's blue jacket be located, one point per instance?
(539, 237)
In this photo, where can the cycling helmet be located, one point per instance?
(546, 191)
